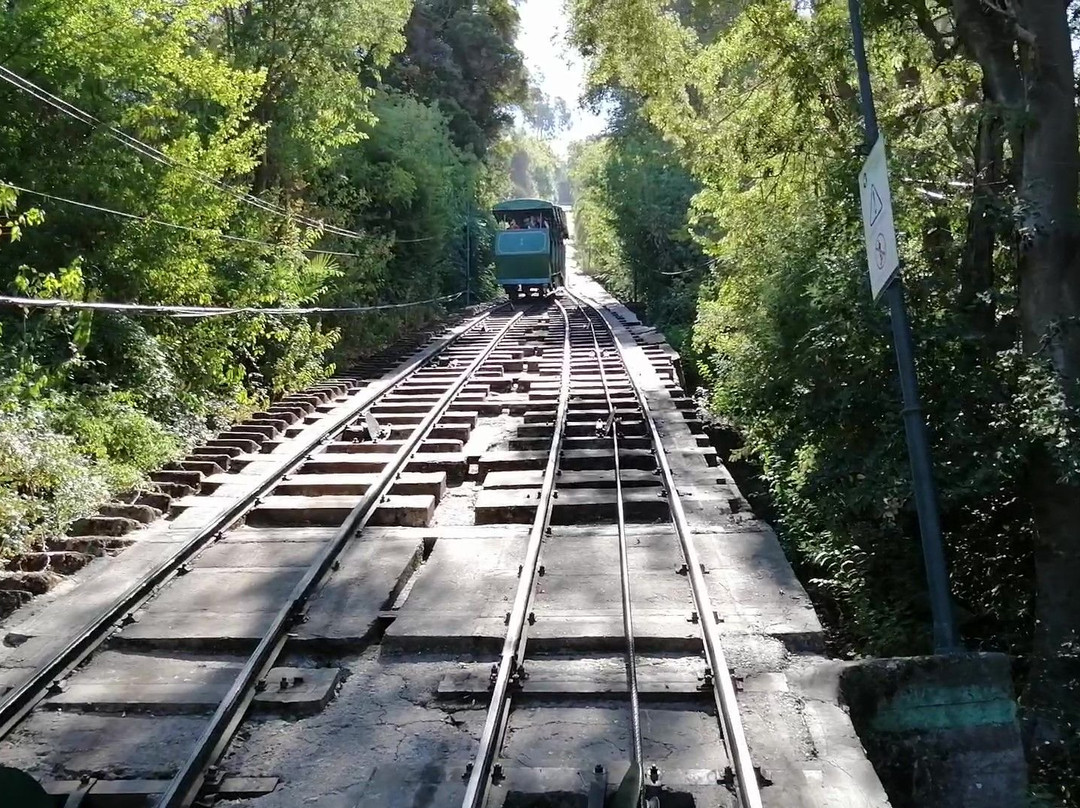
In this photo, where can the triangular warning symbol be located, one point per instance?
(876, 205)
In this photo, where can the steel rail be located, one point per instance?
(637, 760)
(185, 786)
(749, 792)
(514, 644)
(18, 702)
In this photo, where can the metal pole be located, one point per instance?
(918, 442)
(468, 252)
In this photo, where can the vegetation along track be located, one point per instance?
(512, 588)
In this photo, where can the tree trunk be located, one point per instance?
(1025, 53)
(1049, 310)
(977, 264)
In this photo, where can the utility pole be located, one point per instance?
(468, 248)
(918, 442)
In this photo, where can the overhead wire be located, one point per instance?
(163, 223)
(69, 109)
(155, 154)
(12, 301)
(707, 265)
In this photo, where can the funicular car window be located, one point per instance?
(522, 241)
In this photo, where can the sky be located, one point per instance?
(555, 66)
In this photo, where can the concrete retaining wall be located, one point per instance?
(941, 731)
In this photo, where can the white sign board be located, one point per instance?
(881, 252)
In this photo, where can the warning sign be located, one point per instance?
(881, 253)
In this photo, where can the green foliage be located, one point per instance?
(311, 53)
(461, 57)
(122, 441)
(45, 481)
(530, 166)
(631, 223)
(284, 104)
(759, 105)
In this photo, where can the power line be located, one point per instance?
(11, 301)
(69, 109)
(706, 265)
(163, 223)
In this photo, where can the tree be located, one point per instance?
(255, 122)
(1025, 51)
(461, 55)
(530, 165)
(631, 220)
(545, 115)
(319, 59)
(977, 102)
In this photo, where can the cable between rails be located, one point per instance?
(195, 312)
(635, 777)
(749, 792)
(509, 667)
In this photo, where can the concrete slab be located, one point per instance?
(462, 593)
(430, 446)
(683, 736)
(257, 554)
(11, 677)
(192, 613)
(631, 478)
(388, 785)
(433, 484)
(370, 574)
(288, 511)
(574, 460)
(452, 463)
(449, 533)
(571, 678)
(52, 617)
(116, 682)
(236, 590)
(590, 591)
(61, 745)
(277, 535)
(600, 631)
(571, 506)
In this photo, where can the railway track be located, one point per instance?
(477, 580)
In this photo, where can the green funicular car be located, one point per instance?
(530, 253)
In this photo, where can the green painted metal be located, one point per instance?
(19, 790)
(945, 708)
(534, 257)
(524, 269)
(523, 205)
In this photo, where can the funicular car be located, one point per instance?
(530, 247)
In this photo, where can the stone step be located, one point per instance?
(571, 506)
(329, 511)
(453, 464)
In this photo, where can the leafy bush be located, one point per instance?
(284, 103)
(45, 481)
(122, 442)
